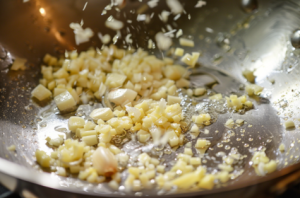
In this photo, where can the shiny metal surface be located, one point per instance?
(229, 39)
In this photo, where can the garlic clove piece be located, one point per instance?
(104, 162)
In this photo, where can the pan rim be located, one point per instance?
(47, 180)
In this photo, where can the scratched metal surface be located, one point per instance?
(259, 40)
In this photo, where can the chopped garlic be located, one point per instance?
(114, 24)
(175, 6)
(253, 89)
(163, 42)
(190, 60)
(42, 158)
(75, 123)
(289, 124)
(207, 182)
(179, 33)
(152, 3)
(199, 91)
(195, 128)
(55, 141)
(239, 122)
(18, 64)
(105, 39)
(173, 100)
(122, 96)
(200, 4)
(249, 75)
(186, 42)
(164, 16)
(104, 162)
(81, 35)
(229, 123)
(282, 147)
(262, 164)
(41, 93)
(61, 171)
(179, 52)
(202, 143)
(216, 97)
(238, 103)
(182, 83)
(147, 107)
(102, 113)
(202, 119)
(65, 101)
(115, 80)
(11, 147)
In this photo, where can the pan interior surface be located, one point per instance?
(231, 38)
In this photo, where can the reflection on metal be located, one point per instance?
(249, 5)
(295, 39)
(42, 11)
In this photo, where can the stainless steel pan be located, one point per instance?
(260, 35)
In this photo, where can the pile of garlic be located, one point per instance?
(262, 164)
(142, 94)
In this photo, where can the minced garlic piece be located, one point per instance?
(41, 93)
(42, 158)
(143, 90)
(253, 89)
(202, 119)
(173, 99)
(229, 123)
(179, 52)
(207, 182)
(281, 147)
(249, 75)
(182, 83)
(289, 124)
(189, 59)
(216, 97)
(195, 128)
(262, 164)
(55, 141)
(65, 101)
(102, 113)
(19, 64)
(238, 103)
(239, 122)
(11, 147)
(202, 143)
(199, 91)
(186, 42)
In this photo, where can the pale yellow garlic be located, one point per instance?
(41, 93)
(102, 113)
(122, 96)
(75, 122)
(104, 162)
(65, 101)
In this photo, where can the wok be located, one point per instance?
(261, 36)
